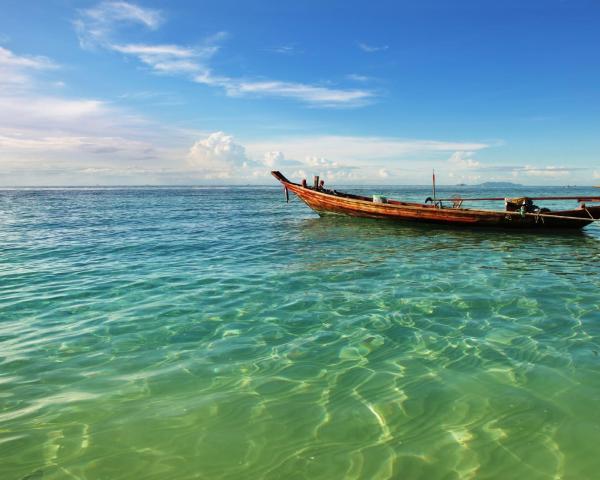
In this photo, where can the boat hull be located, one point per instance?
(326, 202)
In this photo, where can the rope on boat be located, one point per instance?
(560, 217)
(582, 198)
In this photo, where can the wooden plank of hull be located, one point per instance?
(328, 203)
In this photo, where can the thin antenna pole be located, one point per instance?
(434, 186)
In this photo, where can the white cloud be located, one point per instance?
(271, 159)
(550, 171)
(218, 156)
(462, 178)
(284, 49)
(124, 12)
(462, 159)
(320, 162)
(360, 151)
(9, 59)
(357, 78)
(20, 110)
(372, 48)
(596, 173)
(339, 175)
(151, 51)
(368, 159)
(94, 26)
(276, 159)
(49, 138)
(167, 58)
(15, 70)
(97, 145)
(312, 94)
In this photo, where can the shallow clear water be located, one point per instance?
(222, 334)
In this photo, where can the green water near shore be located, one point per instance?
(222, 334)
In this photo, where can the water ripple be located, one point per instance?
(220, 333)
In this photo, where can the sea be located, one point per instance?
(222, 333)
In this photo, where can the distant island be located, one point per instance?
(492, 185)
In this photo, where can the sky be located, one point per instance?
(223, 92)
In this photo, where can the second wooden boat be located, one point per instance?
(519, 214)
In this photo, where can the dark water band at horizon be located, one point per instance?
(220, 333)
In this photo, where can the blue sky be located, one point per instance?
(223, 91)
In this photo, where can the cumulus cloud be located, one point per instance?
(219, 156)
(276, 159)
(321, 162)
(357, 150)
(371, 159)
(462, 159)
(271, 159)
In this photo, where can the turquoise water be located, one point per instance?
(223, 334)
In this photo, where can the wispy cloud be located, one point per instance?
(164, 58)
(548, 172)
(372, 48)
(311, 94)
(285, 49)
(152, 97)
(15, 69)
(35, 126)
(358, 78)
(9, 59)
(174, 59)
(40, 132)
(96, 26)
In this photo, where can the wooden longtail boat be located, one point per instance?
(526, 216)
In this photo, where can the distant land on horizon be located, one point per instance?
(499, 184)
(491, 184)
